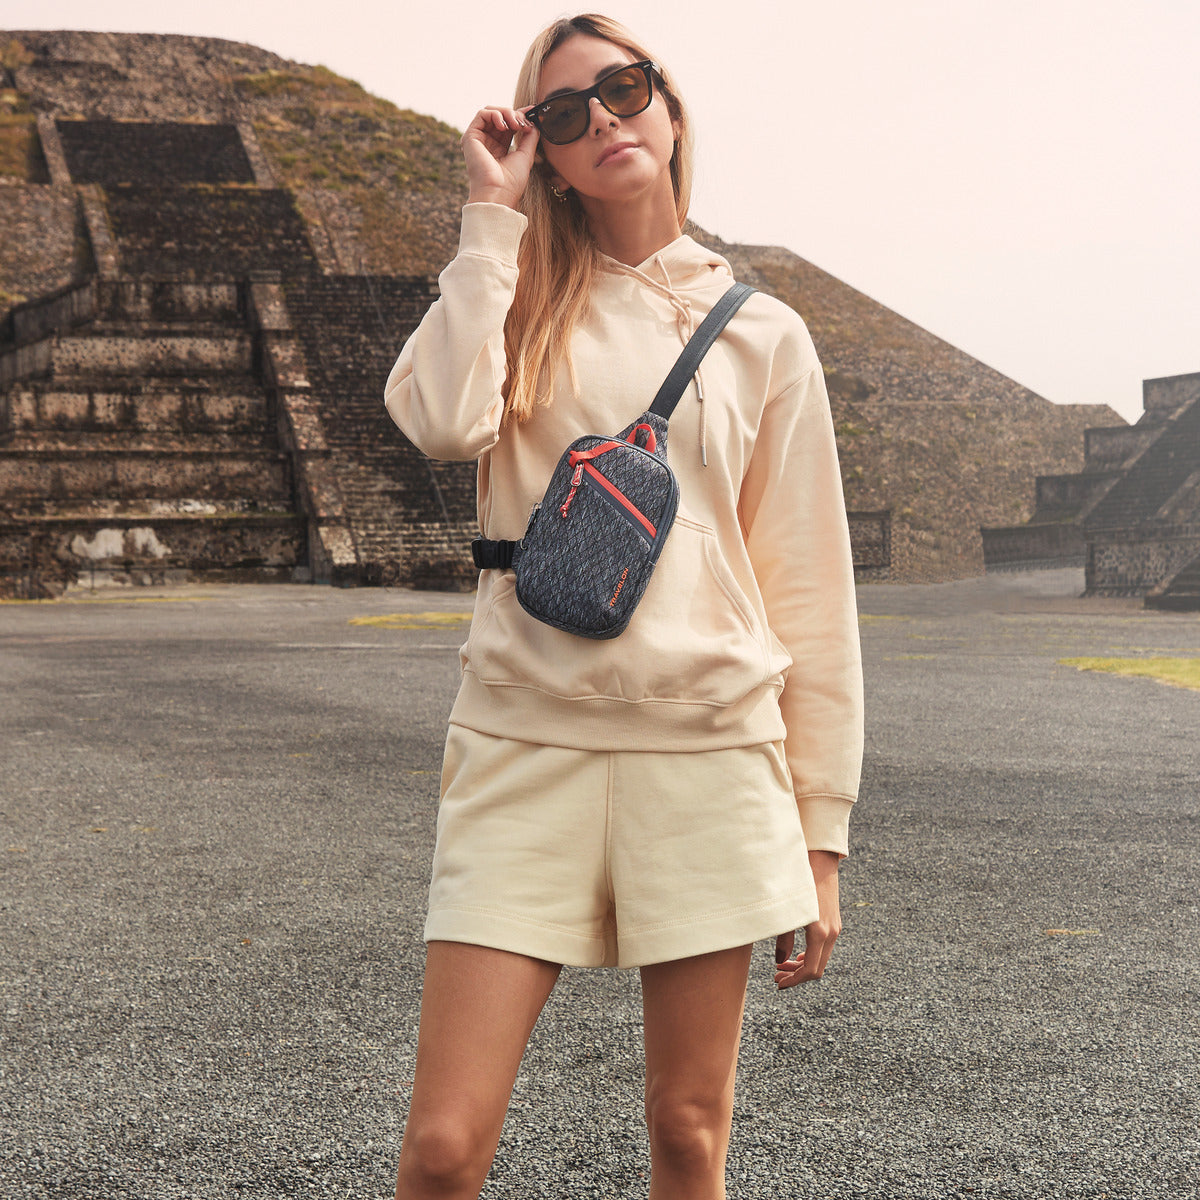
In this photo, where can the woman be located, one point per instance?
(666, 798)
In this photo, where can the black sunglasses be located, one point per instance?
(625, 92)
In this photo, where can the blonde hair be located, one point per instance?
(558, 255)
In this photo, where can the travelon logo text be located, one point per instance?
(620, 585)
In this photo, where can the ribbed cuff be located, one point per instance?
(491, 230)
(826, 822)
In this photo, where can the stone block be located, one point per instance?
(1026, 547)
(1170, 392)
(284, 363)
(159, 300)
(169, 355)
(269, 307)
(305, 431)
(1136, 560)
(114, 475)
(1112, 446)
(63, 409)
(26, 362)
(39, 249)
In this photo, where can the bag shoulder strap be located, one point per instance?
(698, 344)
(489, 554)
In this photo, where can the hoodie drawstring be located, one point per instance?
(685, 326)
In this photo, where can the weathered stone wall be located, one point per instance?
(1034, 547)
(1070, 494)
(138, 443)
(43, 246)
(1134, 561)
(1112, 446)
(131, 76)
(1170, 392)
(202, 233)
(147, 155)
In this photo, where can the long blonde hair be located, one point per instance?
(558, 256)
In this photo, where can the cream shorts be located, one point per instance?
(592, 858)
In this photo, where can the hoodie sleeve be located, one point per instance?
(794, 518)
(444, 391)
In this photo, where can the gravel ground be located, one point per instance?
(216, 816)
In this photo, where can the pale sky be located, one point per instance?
(1021, 178)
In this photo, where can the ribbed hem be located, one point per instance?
(826, 822)
(527, 715)
(491, 230)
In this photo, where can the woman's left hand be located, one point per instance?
(810, 963)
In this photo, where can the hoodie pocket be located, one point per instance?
(693, 639)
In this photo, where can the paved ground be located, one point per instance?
(216, 811)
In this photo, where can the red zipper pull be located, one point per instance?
(576, 480)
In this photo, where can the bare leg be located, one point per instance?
(693, 1017)
(478, 1008)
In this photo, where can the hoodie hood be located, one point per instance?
(680, 266)
(677, 272)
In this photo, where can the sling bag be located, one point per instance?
(592, 543)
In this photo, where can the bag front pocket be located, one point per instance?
(611, 495)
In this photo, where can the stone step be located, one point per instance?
(94, 509)
(161, 329)
(155, 408)
(92, 355)
(104, 442)
(61, 474)
(150, 300)
(42, 556)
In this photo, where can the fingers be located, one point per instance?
(785, 943)
(497, 124)
(810, 963)
(497, 166)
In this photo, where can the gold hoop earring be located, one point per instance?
(561, 197)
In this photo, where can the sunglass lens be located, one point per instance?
(626, 93)
(562, 121)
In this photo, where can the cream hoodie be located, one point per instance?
(748, 631)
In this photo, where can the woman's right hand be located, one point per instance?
(497, 165)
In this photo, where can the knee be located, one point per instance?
(688, 1134)
(440, 1158)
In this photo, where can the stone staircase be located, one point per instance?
(412, 519)
(137, 442)
(1111, 486)
(1144, 534)
(1132, 516)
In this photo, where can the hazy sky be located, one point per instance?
(1021, 178)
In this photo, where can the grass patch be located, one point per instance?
(20, 150)
(1178, 672)
(425, 620)
(14, 54)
